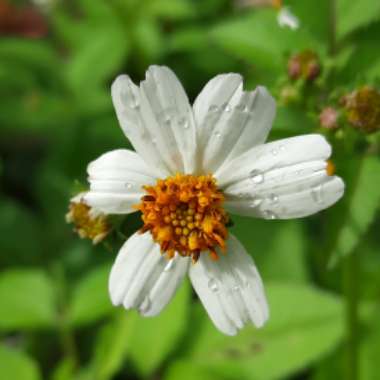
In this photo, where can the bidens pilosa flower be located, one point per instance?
(194, 167)
(89, 223)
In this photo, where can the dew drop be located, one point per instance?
(213, 108)
(269, 215)
(146, 304)
(282, 148)
(183, 122)
(256, 202)
(170, 265)
(128, 185)
(236, 288)
(218, 134)
(273, 198)
(256, 176)
(213, 285)
(274, 152)
(240, 107)
(226, 107)
(317, 194)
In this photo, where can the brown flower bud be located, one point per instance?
(304, 65)
(363, 109)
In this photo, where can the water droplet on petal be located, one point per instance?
(183, 122)
(282, 148)
(218, 134)
(213, 108)
(240, 107)
(256, 202)
(212, 284)
(236, 288)
(269, 214)
(274, 152)
(226, 107)
(128, 185)
(170, 265)
(273, 198)
(317, 194)
(146, 304)
(256, 176)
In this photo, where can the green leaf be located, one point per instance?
(363, 200)
(90, 300)
(286, 259)
(112, 345)
(352, 15)
(278, 250)
(14, 220)
(172, 10)
(18, 366)
(305, 325)
(26, 298)
(258, 39)
(96, 61)
(370, 352)
(187, 370)
(155, 338)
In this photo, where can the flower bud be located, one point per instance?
(328, 118)
(363, 109)
(304, 65)
(88, 222)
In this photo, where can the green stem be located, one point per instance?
(332, 29)
(350, 283)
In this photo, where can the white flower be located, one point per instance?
(286, 18)
(223, 134)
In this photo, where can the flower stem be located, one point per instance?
(350, 284)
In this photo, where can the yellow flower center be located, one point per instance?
(185, 214)
(86, 223)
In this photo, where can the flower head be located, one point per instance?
(363, 109)
(193, 168)
(88, 222)
(304, 65)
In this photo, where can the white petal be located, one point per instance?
(157, 118)
(230, 288)
(142, 278)
(284, 179)
(230, 121)
(116, 179)
(286, 18)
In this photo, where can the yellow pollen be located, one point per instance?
(87, 224)
(330, 168)
(185, 214)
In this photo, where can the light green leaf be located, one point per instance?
(173, 10)
(18, 366)
(26, 299)
(258, 39)
(352, 15)
(90, 300)
(363, 201)
(155, 338)
(278, 247)
(97, 61)
(187, 370)
(286, 259)
(112, 345)
(305, 325)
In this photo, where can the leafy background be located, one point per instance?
(322, 274)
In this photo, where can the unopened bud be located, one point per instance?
(363, 109)
(328, 118)
(304, 65)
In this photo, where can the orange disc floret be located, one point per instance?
(185, 214)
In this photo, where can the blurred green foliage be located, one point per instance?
(56, 321)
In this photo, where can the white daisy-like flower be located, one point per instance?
(193, 167)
